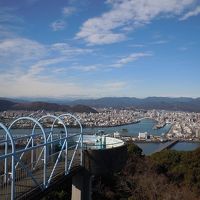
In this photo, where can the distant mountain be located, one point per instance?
(15, 100)
(84, 105)
(49, 100)
(83, 108)
(108, 102)
(33, 106)
(166, 103)
(5, 104)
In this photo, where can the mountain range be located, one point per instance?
(33, 106)
(164, 103)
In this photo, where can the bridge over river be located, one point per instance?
(167, 145)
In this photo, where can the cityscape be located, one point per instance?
(184, 125)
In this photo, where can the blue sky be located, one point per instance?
(92, 48)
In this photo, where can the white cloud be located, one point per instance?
(192, 13)
(41, 65)
(28, 68)
(58, 25)
(7, 16)
(113, 86)
(137, 45)
(17, 50)
(24, 84)
(126, 15)
(130, 58)
(35, 86)
(159, 42)
(10, 24)
(23, 50)
(66, 49)
(182, 48)
(68, 11)
(88, 68)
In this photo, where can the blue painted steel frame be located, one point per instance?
(46, 142)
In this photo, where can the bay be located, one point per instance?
(145, 125)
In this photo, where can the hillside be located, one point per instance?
(33, 106)
(6, 105)
(167, 175)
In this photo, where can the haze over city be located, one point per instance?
(92, 48)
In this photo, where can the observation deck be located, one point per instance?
(103, 154)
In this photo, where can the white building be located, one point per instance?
(142, 135)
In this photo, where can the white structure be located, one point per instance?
(100, 142)
(197, 133)
(116, 134)
(142, 136)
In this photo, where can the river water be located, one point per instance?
(145, 125)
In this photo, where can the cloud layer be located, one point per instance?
(111, 26)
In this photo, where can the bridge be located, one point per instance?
(33, 161)
(167, 145)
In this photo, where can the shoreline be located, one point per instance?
(84, 126)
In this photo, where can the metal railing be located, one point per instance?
(32, 161)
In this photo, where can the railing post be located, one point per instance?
(45, 165)
(6, 161)
(13, 178)
(81, 161)
(66, 154)
(32, 153)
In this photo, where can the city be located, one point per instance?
(184, 125)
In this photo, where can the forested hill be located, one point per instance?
(33, 106)
(167, 175)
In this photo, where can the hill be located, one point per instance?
(165, 103)
(33, 106)
(167, 175)
(5, 104)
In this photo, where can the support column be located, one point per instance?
(81, 186)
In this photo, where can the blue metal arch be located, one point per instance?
(66, 135)
(55, 119)
(72, 116)
(30, 119)
(77, 120)
(13, 160)
(44, 139)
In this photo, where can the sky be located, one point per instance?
(99, 48)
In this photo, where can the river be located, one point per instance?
(145, 125)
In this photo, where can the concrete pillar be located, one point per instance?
(81, 186)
